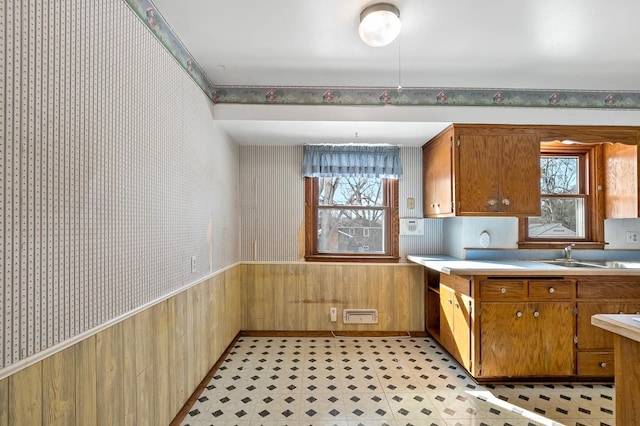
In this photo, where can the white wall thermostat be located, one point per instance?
(411, 227)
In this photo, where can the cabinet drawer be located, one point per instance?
(607, 288)
(503, 291)
(595, 364)
(551, 290)
(457, 283)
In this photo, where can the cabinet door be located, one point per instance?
(520, 175)
(504, 329)
(498, 174)
(455, 324)
(527, 339)
(462, 329)
(438, 183)
(621, 180)
(478, 182)
(591, 337)
(447, 339)
(552, 352)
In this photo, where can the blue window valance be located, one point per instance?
(372, 161)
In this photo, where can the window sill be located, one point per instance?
(586, 245)
(351, 259)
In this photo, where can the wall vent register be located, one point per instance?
(360, 316)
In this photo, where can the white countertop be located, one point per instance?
(624, 325)
(456, 266)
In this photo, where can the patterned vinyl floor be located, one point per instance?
(378, 381)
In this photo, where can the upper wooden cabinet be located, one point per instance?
(437, 164)
(621, 181)
(481, 170)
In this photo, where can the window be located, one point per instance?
(568, 205)
(351, 202)
(351, 219)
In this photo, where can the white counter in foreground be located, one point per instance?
(626, 352)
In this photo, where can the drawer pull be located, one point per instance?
(603, 364)
(503, 290)
(519, 314)
(506, 202)
(492, 202)
(536, 314)
(552, 290)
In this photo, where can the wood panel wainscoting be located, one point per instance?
(143, 369)
(140, 371)
(298, 296)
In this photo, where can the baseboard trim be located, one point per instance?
(331, 333)
(182, 414)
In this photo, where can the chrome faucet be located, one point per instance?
(567, 252)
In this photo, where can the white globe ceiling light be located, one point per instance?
(379, 24)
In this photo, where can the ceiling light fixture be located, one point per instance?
(379, 24)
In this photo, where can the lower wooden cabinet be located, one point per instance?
(503, 328)
(526, 339)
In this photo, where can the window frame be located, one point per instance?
(590, 166)
(391, 249)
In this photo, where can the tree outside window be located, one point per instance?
(562, 200)
(351, 218)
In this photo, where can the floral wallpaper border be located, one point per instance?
(600, 99)
(427, 97)
(150, 16)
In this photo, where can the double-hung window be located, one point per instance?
(568, 206)
(351, 197)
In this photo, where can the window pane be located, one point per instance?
(559, 175)
(350, 231)
(561, 218)
(350, 191)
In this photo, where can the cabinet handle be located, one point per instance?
(621, 313)
(552, 290)
(492, 202)
(457, 305)
(450, 301)
(603, 364)
(506, 202)
(503, 290)
(536, 314)
(519, 314)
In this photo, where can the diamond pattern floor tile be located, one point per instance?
(378, 381)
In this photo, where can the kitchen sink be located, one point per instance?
(621, 265)
(573, 263)
(607, 264)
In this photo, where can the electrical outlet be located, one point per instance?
(193, 264)
(333, 312)
(632, 237)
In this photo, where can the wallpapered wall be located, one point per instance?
(113, 173)
(272, 204)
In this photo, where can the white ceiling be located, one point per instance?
(526, 44)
